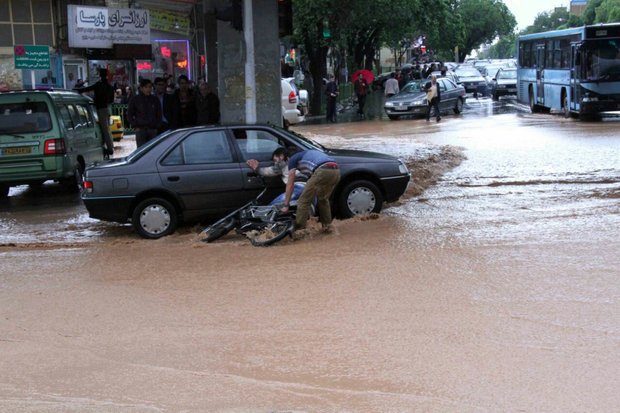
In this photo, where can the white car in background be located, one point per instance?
(294, 102)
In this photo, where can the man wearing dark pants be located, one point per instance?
(144, 113)
(323, 176)
(331, 91)
(104, 96)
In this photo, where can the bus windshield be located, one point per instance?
(601, 60)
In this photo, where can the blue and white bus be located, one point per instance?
(576, 71)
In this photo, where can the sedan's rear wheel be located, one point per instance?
(154, 218)
(458, 108)
(360, 198)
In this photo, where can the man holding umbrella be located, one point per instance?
(361, 89)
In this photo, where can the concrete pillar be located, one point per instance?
(231, 67)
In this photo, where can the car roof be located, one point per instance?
(56, 94)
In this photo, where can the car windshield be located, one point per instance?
(467, 72)
(507, 74)
(24, 117)
(307, 143)
(601, 60)
(415, 86)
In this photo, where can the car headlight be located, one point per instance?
(389, 104)
(402, 168)
(419, 102)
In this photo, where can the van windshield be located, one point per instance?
(24, 117)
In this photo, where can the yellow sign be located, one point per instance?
(169, 21)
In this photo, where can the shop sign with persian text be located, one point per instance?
(102, 28)
(31, 57)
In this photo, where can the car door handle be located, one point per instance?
(174, 178)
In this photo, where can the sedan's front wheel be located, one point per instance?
(393, 117)
(154, 218)
(360, 198)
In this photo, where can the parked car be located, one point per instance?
(46, 135)
(412, 99)
(293, 111)
(472, 79)
(116, 127)
(504, 83)
(188, 175)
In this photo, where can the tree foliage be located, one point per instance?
(483, 21)
(359, 28)
(546, 21)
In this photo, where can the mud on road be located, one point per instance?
(468, 296)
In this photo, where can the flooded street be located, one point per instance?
(492, 286)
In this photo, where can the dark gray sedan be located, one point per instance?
(412, 99)
(192, 174)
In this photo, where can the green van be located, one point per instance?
(47, 135)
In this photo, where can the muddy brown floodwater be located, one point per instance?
(493, 286)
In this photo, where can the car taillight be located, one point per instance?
(54, 147)
(88, 186)
(292, 97)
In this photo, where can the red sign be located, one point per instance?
(165, 51)
(145, 66)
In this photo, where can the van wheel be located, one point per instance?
(4, 190)
(154, 218)
(75, 183)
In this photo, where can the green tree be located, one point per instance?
(549, 21)
(483, 21)
(608, 12)
(504, 48)
(589, 14)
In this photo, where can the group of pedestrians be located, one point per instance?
(153, 113)
(154, 109)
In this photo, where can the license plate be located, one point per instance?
(401, 108)
(20, 150)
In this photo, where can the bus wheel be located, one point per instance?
(533, 106)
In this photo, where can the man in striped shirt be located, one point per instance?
(323, 175)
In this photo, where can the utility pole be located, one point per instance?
(250, 77)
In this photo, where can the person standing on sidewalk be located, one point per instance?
(331, 90)
(361, 89)
(323, 175)
(144, 113)
(433, 96)
(391, 86)
(167, 106)
(104, 96)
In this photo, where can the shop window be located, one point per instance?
(21, 11)
(23, 33)
(41, 11)
(4, 10)
(43, 34)
(6, 35)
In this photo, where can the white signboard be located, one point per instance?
(101, 28)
